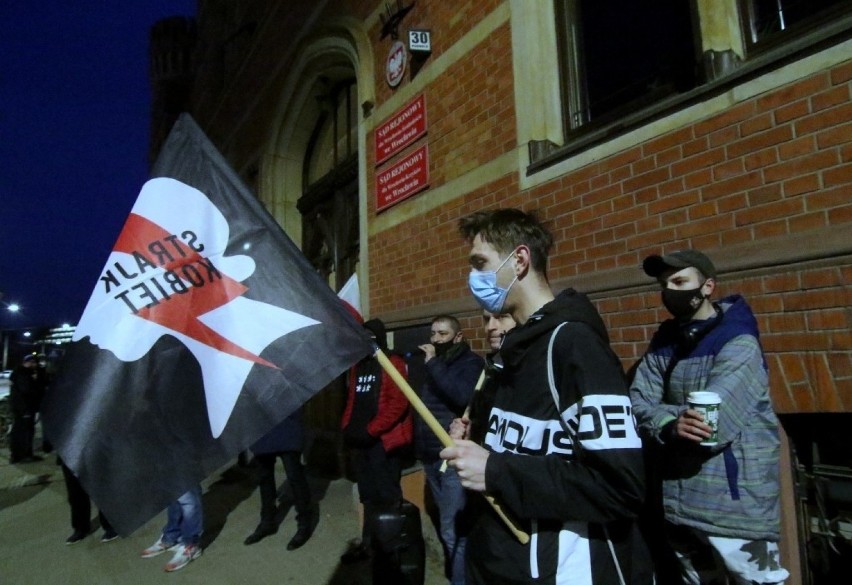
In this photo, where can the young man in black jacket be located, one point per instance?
(561, 452)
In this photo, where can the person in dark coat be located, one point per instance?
(452, 370)
(286, 441)
(29, 382)
(378, 428)
(81, 510)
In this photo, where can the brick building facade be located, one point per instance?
(744, 151)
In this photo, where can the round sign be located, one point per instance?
(395, 64)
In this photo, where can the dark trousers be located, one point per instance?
(21, 436)
(296, 477)
(81, 505)
(377, 473)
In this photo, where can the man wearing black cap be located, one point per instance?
(720, 501)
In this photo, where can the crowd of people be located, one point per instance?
(590, 475)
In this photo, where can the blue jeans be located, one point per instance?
(185, 519)
(450, 497)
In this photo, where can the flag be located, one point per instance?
(206, 328)
(350, 294)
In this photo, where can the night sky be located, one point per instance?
(74, 125)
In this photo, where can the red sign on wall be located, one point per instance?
(407, 177)
(401, 129)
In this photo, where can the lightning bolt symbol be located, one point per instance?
(182, 311)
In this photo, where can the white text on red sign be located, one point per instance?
(407, 177)
(401, 129)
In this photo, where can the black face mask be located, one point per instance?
(441, 348)
(682, 304)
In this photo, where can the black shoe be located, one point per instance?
(76, 537)
(300, 538)
(356, 554)
(109, 536)
(259, 534)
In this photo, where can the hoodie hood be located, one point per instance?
(377, 328)
(569, 305)
(737, 311)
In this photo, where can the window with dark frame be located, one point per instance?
(616, 59)
(769, 22)
(624, 63)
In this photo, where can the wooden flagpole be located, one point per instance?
(441, 433)
(479, 383)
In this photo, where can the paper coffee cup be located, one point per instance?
(707, 403)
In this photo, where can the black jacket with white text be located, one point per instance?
(573, 487)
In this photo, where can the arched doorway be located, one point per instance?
(312, 182)
(329, 203)
(331, 236)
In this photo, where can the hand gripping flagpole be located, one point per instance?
(442, 434)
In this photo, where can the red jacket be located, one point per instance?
(393, 423)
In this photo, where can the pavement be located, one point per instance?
(35, 521)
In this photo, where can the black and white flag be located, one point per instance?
(206, 328)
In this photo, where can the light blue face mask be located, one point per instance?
(483, 285)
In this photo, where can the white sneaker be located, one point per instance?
(158, 548)
(184, 554)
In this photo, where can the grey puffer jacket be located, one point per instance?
(732, 489)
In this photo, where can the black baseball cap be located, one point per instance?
(655, 265)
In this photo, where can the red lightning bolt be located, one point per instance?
(180, 312)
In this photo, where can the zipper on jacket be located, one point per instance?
(534, 549)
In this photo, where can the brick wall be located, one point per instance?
(775, 168)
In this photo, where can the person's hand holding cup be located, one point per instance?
(706, 404)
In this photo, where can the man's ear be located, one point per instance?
(709, 287)
(523, 259)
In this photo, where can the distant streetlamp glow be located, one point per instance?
(12, 308)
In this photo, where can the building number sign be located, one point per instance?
(420, 41)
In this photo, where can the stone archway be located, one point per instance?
(341, 53)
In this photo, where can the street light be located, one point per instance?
(12, 308)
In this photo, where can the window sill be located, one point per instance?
(765, 62)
